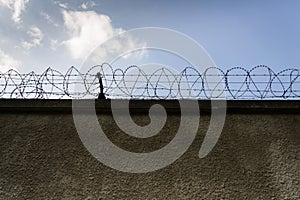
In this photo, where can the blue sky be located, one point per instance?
(37, 34)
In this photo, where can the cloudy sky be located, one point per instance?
(35, 34)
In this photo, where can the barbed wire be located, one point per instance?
(134, 82)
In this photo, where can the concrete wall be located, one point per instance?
(257, 156)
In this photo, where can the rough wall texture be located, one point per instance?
(257, 157)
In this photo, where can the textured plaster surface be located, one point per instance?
(257, 157)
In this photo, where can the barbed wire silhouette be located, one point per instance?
(134, 82)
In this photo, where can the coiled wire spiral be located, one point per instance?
(260, 82)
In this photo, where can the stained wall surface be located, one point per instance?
(257, 157)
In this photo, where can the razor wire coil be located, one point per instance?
(133, 82)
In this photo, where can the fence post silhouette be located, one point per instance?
(101, 94)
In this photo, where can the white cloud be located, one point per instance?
(6, 3)
(7, 62)
(84, 6)
(36, 36)
(48, 19)
(88, 30)
(17, 6)
(54, 44)
(88, 4)
(62, 5)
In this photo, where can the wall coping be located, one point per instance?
(142, 106)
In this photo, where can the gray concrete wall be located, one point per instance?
(257, 157)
